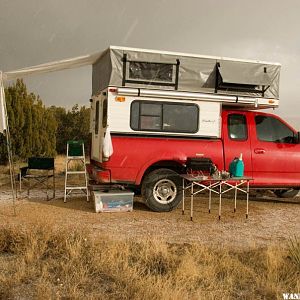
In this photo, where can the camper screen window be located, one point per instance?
(151, 71)
(164, 117)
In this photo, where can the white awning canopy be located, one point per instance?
(69, 63)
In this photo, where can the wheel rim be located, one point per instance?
(165, 191)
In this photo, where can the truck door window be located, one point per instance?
(164, 116)
(237, 127)
(97, 118)
(270, 129)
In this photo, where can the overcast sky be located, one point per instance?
(39, 31)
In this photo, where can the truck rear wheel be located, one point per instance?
(162, 190)
(291, 193)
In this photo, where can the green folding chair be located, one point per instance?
(38, 173)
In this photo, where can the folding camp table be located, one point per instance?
(38, 171)
(218, 186)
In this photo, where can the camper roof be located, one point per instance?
(190, 55)
(163, 70)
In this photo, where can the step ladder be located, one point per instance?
(75, 152)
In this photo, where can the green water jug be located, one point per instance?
(236, 167)
(239, 167)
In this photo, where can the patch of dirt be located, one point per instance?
(270, 221)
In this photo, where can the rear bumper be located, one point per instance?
(98, 174)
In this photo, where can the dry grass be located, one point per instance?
(42, 261)
(60, 164)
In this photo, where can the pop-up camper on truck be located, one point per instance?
(160, 109)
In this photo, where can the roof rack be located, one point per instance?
(226, 100)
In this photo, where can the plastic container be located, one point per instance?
(113, 201)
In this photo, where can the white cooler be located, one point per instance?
(114, 201)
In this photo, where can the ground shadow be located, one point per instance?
(275, 200)
(79, 203)
(75, 203)
(265, 197)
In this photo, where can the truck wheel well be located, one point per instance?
(166, 164)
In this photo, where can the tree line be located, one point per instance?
(37, 130)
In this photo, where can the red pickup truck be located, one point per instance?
(270, 147)
(153, 111)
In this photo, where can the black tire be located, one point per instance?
(162, 190)
(291, 193)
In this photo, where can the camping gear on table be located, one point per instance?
(203, 164)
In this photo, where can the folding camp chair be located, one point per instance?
(38, 172)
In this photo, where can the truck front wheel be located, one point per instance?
(162, 190)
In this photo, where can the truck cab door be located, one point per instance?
(275, 152)
(236, 139)
(99, 115)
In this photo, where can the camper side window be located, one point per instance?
(164, 117)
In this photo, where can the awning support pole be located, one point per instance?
(8, 143)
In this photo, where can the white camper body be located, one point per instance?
(117, 117)
(113, 108)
